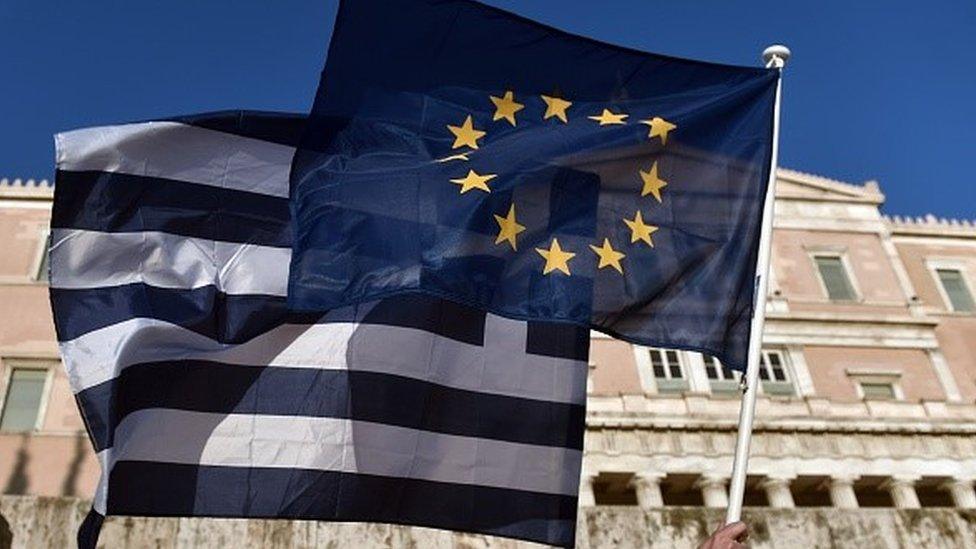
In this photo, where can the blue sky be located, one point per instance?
(876, 90)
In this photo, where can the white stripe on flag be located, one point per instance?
(330, 444)
(91, 259)
(172, 150)
(500, 367)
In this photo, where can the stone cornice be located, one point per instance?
(850, 330)
(832, 189)
(814, 414)
(931, 226)
(852, 318)
(18, 189)
(789, 425)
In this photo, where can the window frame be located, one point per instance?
(723, 385)
(878, 377)
(771, 386)
(935, 265)
(668, 385)
(8, 366)
(841, 256)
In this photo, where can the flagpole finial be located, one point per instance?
(776, 56)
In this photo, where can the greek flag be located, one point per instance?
(204, 396)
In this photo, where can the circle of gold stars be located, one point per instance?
(466, 137)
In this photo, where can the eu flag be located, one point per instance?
(464, 152)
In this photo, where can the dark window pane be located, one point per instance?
(711, 372)
(779, 374)
(835, 278)
(878, 390)
(675, 371)
(659, 371)
(955, 288)
(763, 374)
(42, 270)
(23, 402)
(672, 357)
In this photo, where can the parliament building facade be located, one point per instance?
(865, 421)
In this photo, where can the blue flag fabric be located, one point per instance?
(467, 153)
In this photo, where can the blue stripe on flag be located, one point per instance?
(165, 489)
(239, 318)
(202, 386)
(118, 202)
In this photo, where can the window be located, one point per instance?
(41, 270)
(878, 390)
(22, 401)
(721, 379)
(668, 373)
(833, 273)
(955, 290)
(874, 384)
(773, 374)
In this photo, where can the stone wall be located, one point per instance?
(37, 522)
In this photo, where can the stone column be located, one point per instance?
(586, 497)
(902, 490)
(778, 492)
(714, 491)
(842, 492)
(961, 490)
(648, 489)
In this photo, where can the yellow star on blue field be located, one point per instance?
(652, 183)
(508, 228)
(556, 106)
(506, 107)
(556, 258)
(465, 135)
(474, 181)
(639, 230)
(608, 118)
(608, 256)
(659, 128)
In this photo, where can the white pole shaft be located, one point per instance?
(747, 411)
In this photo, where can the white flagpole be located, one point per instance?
(775, 57)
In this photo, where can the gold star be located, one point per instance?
(659, 128)
(474, 181)
(652, 183)
(556, 258)
(556, 107)
(506, 107)
(465, 134)
(608, 256)
(508, 228)
(640, 231)
(607, 118)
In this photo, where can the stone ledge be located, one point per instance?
(52, 522)
(692, 411)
